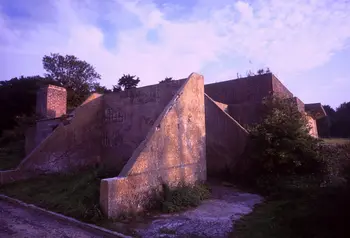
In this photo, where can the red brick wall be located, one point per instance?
(51, 102)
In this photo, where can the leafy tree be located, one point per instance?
(281, 143)
(341, 121)
(166, 80)
(128, 81)
(77, 76)
(324, 124)
(336, 124)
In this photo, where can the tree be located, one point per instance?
(281, 143)
(77, 76)
(324, 124)
(336, 124)
(341, 121)
(128, 81)
(166, 80)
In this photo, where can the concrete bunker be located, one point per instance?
(172, 132)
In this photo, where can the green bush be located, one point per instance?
(179, 198)
(336, 158)
(281, 143)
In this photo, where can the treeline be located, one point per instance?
(18, 95)
(337, 122)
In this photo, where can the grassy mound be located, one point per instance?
(72, 195)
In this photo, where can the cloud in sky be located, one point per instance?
(155, 39)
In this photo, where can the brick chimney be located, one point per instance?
(51, 102)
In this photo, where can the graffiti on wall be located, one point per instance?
(143, 96)
(114, 115)
(148, 120)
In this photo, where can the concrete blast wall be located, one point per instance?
(250, 89)
(173, 152)
(128, 117)
(225, 138)
(68, 148)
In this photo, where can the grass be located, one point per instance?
(77, 196)
(72, 195)
(11, 155)
(179, 198)
(340, 141)
(298, 208)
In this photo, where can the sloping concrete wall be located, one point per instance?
(225, 138)
(71, 146)
(246, 114)
(173, 152)
(128, 117)
(279, 89)
(30, 139)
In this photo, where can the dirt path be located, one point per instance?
(213, 218)
(16, 221)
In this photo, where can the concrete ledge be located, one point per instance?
(85, 226)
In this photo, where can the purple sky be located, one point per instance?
(304, 42)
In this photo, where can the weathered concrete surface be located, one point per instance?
(128, 117)
(313, 126)
(243, 96)
(225, 138)
(213, 218)
(16, 221)
(247, 113)
(278, 88)
(249, 89)
(71, 146)
(173, 152)
(315, 110)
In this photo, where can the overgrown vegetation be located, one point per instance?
(336, 124)
(281, 143)
(179, 198)
(11, 154)
(305, 181)
(77, 195)
(72, 195)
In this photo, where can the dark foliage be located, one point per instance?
(166, 80)
(337, 122)
(179, 198)
(77, 76)
(281, 144)
(18, 98)
(127, 81)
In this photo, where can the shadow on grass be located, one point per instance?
(299, 208)
(11, 155)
